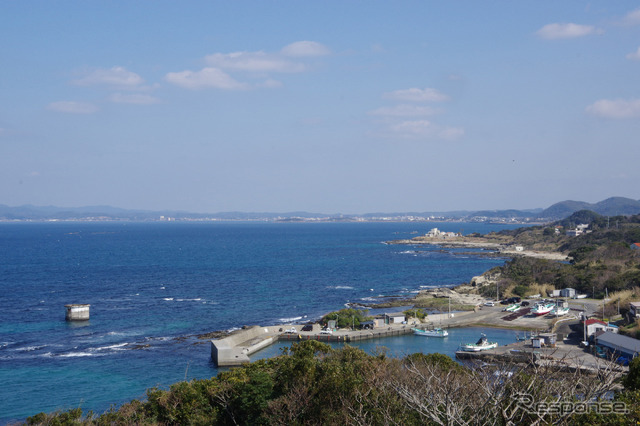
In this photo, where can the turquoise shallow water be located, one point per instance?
(399, 346)
(153, 286)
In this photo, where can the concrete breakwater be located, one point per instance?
(235, 349)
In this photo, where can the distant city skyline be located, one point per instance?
(331, 107)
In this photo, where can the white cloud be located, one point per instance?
(618, 108)
(305, 48)
(259, 62)
(634, 56)
(135, 98)
(116, 76)
(424, 129)
(416, 95)
(72, 107)
(632, 18)
(568, 30)
(405, 111)
(254, 62)
(205, 78)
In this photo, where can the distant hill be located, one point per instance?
(613, 206)
(610, 207)
(508, 214)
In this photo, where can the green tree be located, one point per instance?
(632, 379)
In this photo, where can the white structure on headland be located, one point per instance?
(436, 233)
(580, 229)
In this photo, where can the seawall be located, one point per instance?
(235, 349)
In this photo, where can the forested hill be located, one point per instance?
(610, 207)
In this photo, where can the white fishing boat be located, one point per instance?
(513, 308)
(559, 311)
(542, 308)
(436, 332)
(481, 345)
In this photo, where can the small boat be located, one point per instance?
(542, 308)
(481, 345)
(559, 311)
(513, 308)
(436, 332)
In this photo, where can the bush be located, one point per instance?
(346, 317)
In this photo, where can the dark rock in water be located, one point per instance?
(140, 346)
(213, 335)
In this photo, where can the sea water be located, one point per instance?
(154, 286)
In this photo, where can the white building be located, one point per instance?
(580, 229)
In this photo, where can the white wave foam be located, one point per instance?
(232, 329)
(78, 354)
(168, 298)
(189, 300)
(340, 287)
(290, 319)
(111, 347)
(30, 348)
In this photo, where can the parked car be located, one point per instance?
(291, 330)
(489, 303)
(326, 331)
(307, 327)
(524, 303)
(505, 302)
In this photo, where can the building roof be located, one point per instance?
(619, 342)
(395, 314)
(635, 304)
(635, 245)
(595, 321)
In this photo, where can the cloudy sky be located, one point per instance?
(325, 106)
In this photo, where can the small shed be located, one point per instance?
(568, 292)
(394, 318)
(634, 309)
(548, 339)
(379, 321)
(367, 325)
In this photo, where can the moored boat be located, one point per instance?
(481, 345)
(542, 308)
(559, 311)
(436, 332)
(513, 308)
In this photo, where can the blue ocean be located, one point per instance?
(153, 287)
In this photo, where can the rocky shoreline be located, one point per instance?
(502, 248)
(464, 297)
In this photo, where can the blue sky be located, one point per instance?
(332, 106)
